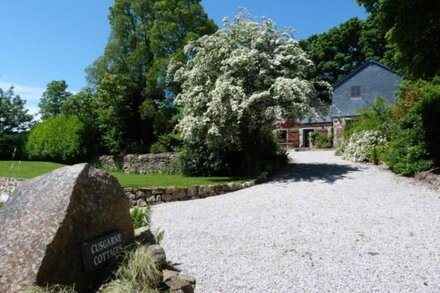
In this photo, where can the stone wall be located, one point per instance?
(8, 184)
(143, 196)
(432, 178)
(139, 164)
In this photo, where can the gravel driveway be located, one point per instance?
(324, 225)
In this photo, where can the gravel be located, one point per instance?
(323, 225)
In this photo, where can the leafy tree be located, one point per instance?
(235, 83)
(343, 48)
(412, 28)
(129, 79)
(14, 120)
(13, 116)
(50, 104)
(63, 138)
(81, 104)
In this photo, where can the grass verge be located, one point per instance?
(30, 169)
(26, 169)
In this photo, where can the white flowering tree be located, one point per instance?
(237, 81)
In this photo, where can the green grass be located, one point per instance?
(27, 169)
(24, 169)
(160, 180)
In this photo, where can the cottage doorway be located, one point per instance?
(306, 137)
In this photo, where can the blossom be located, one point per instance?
(240, 79)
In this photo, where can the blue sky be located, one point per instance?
(49, 40)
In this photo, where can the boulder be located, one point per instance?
(177, 285)
(144, 235)
(158, 255)
(47, 222)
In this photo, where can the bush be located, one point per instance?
(364, 146)
(415, 146)
(377, 117)
(12, 146)
(63, 139)
(141, 217)
(167, 143)
(199, 160)
(323, 141)
(263, 155)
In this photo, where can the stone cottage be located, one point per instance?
(355, 91)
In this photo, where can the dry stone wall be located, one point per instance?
(140, 164)
(144, 196)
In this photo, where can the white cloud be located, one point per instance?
(31, 94)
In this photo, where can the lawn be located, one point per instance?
(19, 169)
(27, 169)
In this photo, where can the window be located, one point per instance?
(355, 91)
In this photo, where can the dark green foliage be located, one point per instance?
(202, 160)
(377, 116)
(199, 160)
(14, 120)
(81, 105)
(56, 93)
(167, 143)
(1, 204)
(132, 96)
(343, 48)
(12, 146)
(415, 145)
(63, 139)
(13, 115)
(412, 28)
(322, 141)
(141, 217)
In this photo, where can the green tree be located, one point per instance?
(50, 104)
(14, 120)
(129, 79)
(343, 48)
(234, 84)
(81, 105)
(63, 138)
(13, 115)
(412, 28)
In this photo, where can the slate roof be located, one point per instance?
(375, 80)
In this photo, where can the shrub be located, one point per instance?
(141, 217)
(361, 146)
(376, 117)
(12, 146)
(323, 141)
(200, 160)
(63, 139)
(167, 143)
(1, 204)
(415, 146)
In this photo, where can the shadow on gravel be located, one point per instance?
(311, 172)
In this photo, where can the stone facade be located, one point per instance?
(139, 164)
(144, 196)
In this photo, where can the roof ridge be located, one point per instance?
(359, 68)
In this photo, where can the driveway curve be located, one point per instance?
(323, 225)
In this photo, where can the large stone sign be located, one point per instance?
(48, 222)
